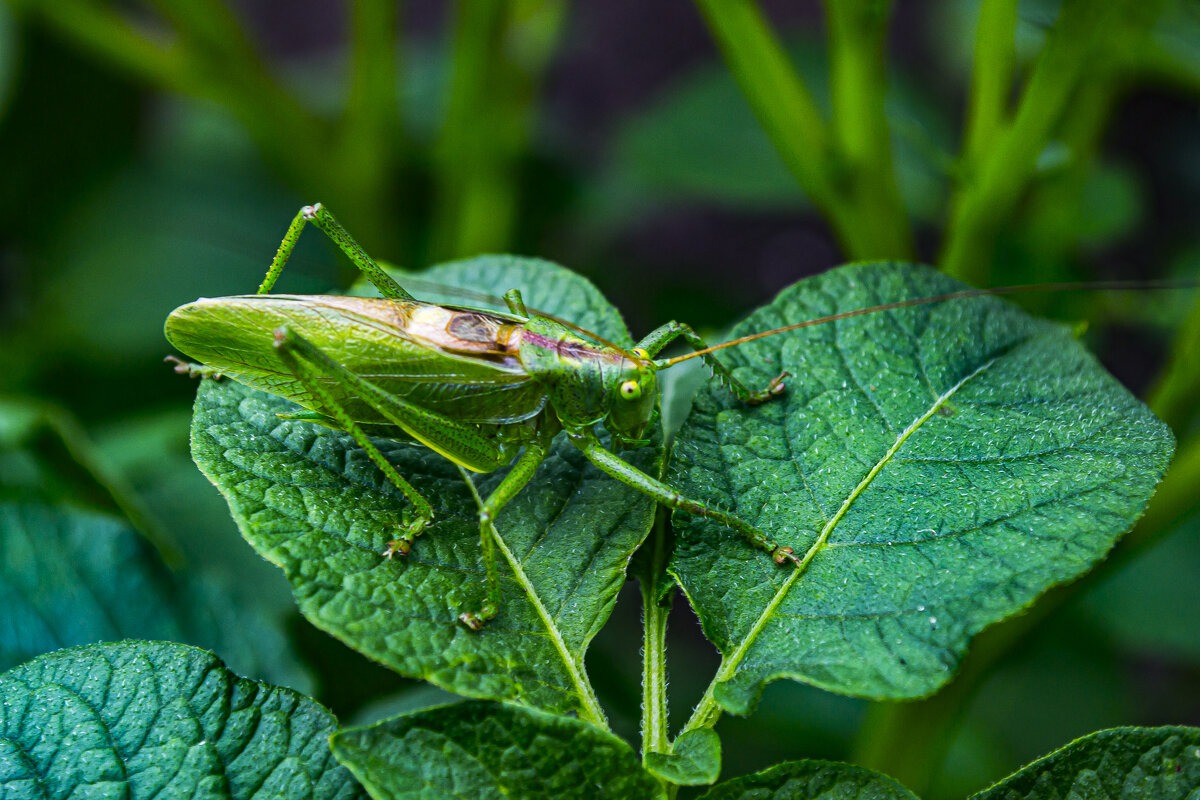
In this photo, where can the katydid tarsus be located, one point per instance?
(482, 388)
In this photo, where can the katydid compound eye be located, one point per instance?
(631, 390)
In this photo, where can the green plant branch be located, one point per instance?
(991, 78)
(784, 106)
(655, 609)
(1176, 394)
(649, 567)
(908, 741)
(858, 76)
(991, 186)
(500, 52)
(369, 132)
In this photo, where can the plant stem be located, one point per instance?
(993, 184)
(908, 740)
(367, 145)
(857, 42)
(655, 611)
(500, 51)
(783, 104)
(991, 80)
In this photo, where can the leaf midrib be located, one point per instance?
(730, 663)
(590, 704)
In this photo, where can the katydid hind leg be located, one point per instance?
(318, 215)
(292, 350)
(629, 475)
(659, 338)
(523, 470)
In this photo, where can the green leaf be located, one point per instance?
(491, 750)
(938, 467)
(1127, 763)
(309, 501)
(694, 760)
(150, 719)
(810, 780)
(70, 577)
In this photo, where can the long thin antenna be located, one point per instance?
(1096, 286)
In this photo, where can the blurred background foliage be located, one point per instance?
(689, 158)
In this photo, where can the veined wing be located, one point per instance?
(455, 362)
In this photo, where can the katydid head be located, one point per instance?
(632, 398)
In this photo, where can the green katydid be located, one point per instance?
(482, 388)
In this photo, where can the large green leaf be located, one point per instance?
(1126, 763)
(811, 780)
(492, 751)
(70, 576)
(149, 719)
(938, 467)
(309, 500)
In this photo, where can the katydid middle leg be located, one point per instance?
(632, 476)
(660, 337)
(522, 472)
(319, 215)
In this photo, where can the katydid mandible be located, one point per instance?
(482, 388)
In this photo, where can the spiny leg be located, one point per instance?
(661, 337)
(522, 472)
(632, 476)
(320, 216)
(296, 353)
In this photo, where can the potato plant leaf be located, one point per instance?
(1126, 763)
(811, 780)
(310, 501)
(489, 750)
(938, 467)
(152, 719)
(694, 760)
(70, 576)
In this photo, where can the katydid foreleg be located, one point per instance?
(631, 476)
(320, 216)
(660, 337)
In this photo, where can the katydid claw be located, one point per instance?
(782, 554)
(471, 621)
(193, 370)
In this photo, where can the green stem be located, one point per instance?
(1176, 394)
(908, 740)
(500, 52)
(784, 106)
(655, 610)
(370, 127)
(993, 184)
(991, 80)
(858, 76)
